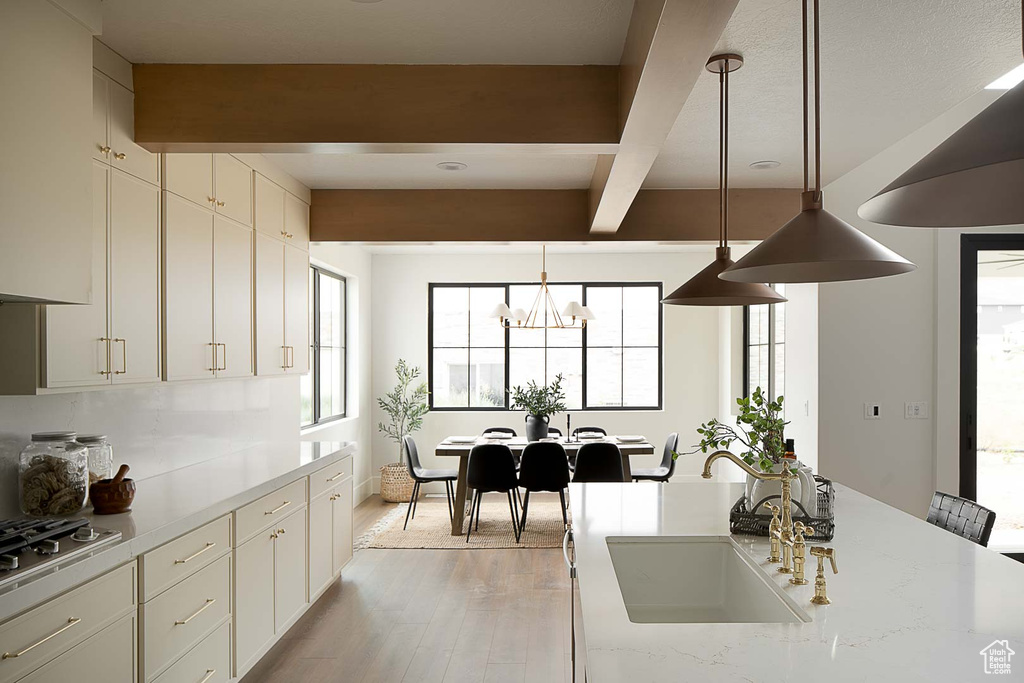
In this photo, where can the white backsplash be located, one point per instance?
(154, 429)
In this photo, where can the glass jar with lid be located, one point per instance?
(101, 456)
(53, 475)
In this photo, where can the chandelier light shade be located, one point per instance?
(974, 178)
(705, 288)
(544, 313)
(816, 246)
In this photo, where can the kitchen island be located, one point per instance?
(911, 602)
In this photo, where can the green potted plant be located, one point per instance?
(405, 406)
(540, 403)
(759, 436)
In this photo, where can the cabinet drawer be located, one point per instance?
(170, 563)
(329, 477)
(56, 626)
(107, 656)
(272, 507)
(207, 662)
(182, 616)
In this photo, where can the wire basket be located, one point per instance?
(822, 519)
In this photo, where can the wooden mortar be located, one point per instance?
(113, 496)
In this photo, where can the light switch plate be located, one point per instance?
(872, 411)
(915, 410)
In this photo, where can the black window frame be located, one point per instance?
(583, 348)
(314, 346)
(771, 388)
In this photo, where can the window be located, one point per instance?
(323, 389)
(473, 360)
(764, 346)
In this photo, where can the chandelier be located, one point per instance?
(543, 309)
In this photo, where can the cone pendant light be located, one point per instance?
(706, 288)
(816, 246)
(972, 179)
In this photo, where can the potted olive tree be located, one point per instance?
(405, 405)
(540, 403)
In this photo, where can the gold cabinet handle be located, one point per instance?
(339, 475)
(208, 676)
(280, 507)
(335, 497)
(225, 346)
(213, 365)
(196, 554)
(289, 356)
(71, 622)
(120, 156)
(219, 203)
(284, 353)
(206, 605)
(104, 149)
(212, 200)
(280, 532)
(124, 356)
(106, 340)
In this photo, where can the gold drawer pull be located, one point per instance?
(335, 497)
(337, 476)
(209, 601)
(124, 356)
(225, 366)
(120, 156)
(208, 676)
(280, 507)
(71, 622)
(211, 200)
(196, 554)
(280, 532)
(104, 149)
(219, 203)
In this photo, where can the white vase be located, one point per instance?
(760, 489)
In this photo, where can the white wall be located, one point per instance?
(355, 264)
(893, 340)
(693, 384)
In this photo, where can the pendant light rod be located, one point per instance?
(807, 147)
(721, 159)
(817, 101)
(725, 154)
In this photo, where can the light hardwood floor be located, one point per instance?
(431, 615)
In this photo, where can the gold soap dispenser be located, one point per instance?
(820, 595)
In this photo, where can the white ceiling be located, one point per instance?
(888, 67)
(400, 171)
(387, 32)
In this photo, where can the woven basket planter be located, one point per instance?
(395, 483)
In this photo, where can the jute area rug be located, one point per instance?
(432, 528)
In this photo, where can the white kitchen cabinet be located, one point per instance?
(188, 295)
(280, 214)
(270, 585)
(321, 542)
(110, 655)
(208, 295)
(100, 117)
(217, 181)
(289, 569)
(296, 221)
(341, 512)
(270, 350)
(330, 524)
(296, 309)
(124, 153)
(116, 339)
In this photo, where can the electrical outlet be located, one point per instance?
(915, 410)
(872, 411)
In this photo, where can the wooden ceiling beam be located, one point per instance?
(540, 215)
(375, 108)
(667, 46)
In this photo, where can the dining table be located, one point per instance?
(460, 447)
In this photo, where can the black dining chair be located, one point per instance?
(544, 468)
(491, 470)
(422, 475)
(499, 430)
(599, 461)
(576, 432)
(962, 516)
(666, 469)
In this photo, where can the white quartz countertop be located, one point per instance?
(171, 504)
(911, 602)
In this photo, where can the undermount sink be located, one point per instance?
(696, 580)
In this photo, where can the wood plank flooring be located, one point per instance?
(447, 616)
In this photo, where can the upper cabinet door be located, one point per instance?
(232, 302)
(269, 207)
(270, 351)
(188, 295)
(124, 153)
(233, 188)
(190, 176)
(296, 221)
(134, 279)
(100, 116)
(76, 346)
(296, 308)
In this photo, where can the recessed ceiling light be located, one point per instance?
(451, 166)
(765, 164)
(1007, 80)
